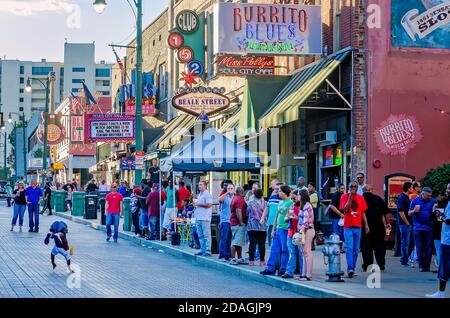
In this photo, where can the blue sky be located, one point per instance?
(35, 29)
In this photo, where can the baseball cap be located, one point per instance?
(137, 191)
(155, 185)
(427, 189)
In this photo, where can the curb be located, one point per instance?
(307, 290)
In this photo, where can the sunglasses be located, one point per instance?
(353, 186)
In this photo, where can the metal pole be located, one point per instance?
(15, 155)
(5, 169)
(139, 146)
(44, 152)
(24, 147)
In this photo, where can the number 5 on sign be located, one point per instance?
(196, 67)
(185, 54)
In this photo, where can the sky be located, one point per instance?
(31, 30)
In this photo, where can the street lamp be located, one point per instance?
(99, 6)
(5, 170)
(46, 85)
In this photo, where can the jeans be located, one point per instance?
(225, 240)
(339, 230)
(295, 253)
(136, 225)
(112, 219)
(269, 235)
(143, 219)
(437, 245)
(33, 216)
(204, 235)
(279, 246)
(352, 243)
(405, 234)
(154, 229)
(194, 237)
(19, 211)
(423, 248)
(8, 200)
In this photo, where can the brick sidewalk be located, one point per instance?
(396, 281)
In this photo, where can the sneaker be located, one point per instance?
(115, 240)
(108, 238)
(280, 273)
(267, 272)
(437, 294)
(234, 261)
(262, 263)
(208, 255)
(199, 254)
(425, 270)
(251, 263)
(351, 274)
(36, 231)
(242, 261)
(30, 230)
(12, 228)
(286, 275)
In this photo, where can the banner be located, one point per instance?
(149, 93)
(77, 129)
(235, 65)
(83, 162)
(139, 160)
(82, 149)
(269, 29)
(56, 132)
(109, 128)
(127, 164)
(421, 23)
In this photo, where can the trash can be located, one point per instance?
(215, 233)
(102, 205)
(59, 200)
(127, 217)
(78, 203)
(90, 206)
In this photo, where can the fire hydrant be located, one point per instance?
(332, 251)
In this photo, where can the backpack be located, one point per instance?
(59, 227)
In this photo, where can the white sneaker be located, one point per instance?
(437, 294)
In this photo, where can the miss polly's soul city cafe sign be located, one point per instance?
(200, 99)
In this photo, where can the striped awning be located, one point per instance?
(231, 122)
(174, 130)
(285, 107)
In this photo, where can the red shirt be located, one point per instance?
(293, 222)
(238, 202)
(353, 217)
(183, 193)
(163, 195)
(152, 201)
(114, 200)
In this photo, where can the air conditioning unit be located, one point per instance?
(325, 138)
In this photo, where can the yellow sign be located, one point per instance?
(58, 166)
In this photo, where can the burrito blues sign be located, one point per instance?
(421, 23)
(268, 29)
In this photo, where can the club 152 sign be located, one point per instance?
(244, 66)
(196, 100)
(398, 134)
(269, 29)
(109, 128)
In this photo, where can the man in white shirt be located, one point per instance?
(203, 214)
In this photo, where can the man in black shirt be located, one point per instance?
(153, 172)
(47, 198)
(335, 214)
(143, 220)
(373, 241)
(91, 187)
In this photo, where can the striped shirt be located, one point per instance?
(273, 208)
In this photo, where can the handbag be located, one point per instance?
(299, 238)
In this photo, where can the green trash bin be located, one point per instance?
(78, 203)
(127, 217)
(59, 200)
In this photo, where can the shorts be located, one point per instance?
(238, 233)
(143, 220)
(59, 250)
(444, 265)
(168, 214)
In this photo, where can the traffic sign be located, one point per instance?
(185, 54)
(175, 40)
(196, 67)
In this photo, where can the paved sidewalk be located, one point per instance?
(396, 281)
(121, 269)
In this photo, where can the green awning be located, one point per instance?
(285, 107)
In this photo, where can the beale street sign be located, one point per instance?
(196, 100)
(229, 65)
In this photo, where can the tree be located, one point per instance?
(437, 179)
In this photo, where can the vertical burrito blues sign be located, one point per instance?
(421, 23)
(109, 128)
(269, 29)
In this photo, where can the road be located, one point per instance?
(108, 269)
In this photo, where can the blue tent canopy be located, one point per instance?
(211, 151)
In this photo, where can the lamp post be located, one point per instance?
(5, 171)
(24, 125)
(28, 88)
(100, 6)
